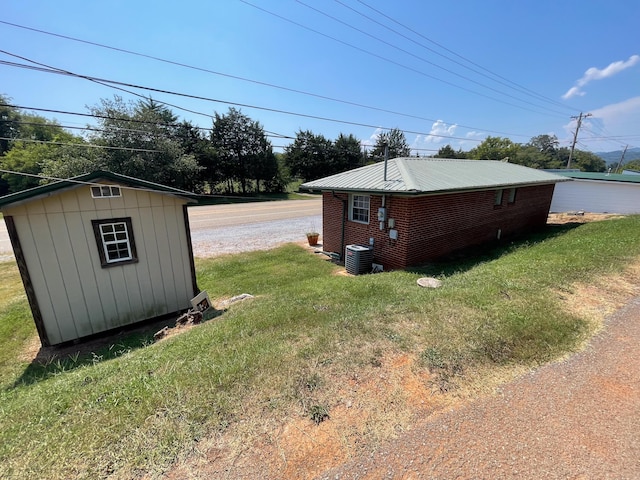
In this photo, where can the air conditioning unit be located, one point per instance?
(358, 259)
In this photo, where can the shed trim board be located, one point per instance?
(26, 280)
(71, 293)
(192, 264)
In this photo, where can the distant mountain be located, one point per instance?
(614, 157)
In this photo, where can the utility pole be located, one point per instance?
(575, 136)
(621, 159)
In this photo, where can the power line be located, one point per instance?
(87, 145)
(393, 62)
(531, 92)
(209, 99)
(257, 82)
(93, 184)
(364, 32)
(120, 129)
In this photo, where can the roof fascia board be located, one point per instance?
(440, 192)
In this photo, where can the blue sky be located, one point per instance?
(444, 72)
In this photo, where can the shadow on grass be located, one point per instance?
(51, 361)
(468, 258)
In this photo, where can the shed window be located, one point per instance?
(115, 241)
(512, 195)
(105, 191)
(359, 208)
(498, 198)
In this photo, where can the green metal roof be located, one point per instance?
(605, 177)
(89, 179)
(412, 175)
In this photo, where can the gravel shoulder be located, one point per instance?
(575, 419)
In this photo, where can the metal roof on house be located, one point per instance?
(412, 175)
(605, 177)
(92, 178)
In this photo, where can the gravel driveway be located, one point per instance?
(257, 236)
(577, 419)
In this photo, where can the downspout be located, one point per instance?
(344, 221)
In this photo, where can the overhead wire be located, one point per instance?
(364, 32)
(215, 100)
(123, 129)
(83, 145)
(393, 62)
(439, 45)
(257, 82)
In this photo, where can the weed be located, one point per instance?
(318, 413)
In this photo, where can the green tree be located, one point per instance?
(541, 152)
(33, 146)
(397, 142)
(588, 162)
(31, 159)
(448, 152)
(347, 153)
(242, 151)
(310, 156)
(495, 148)
(9, 123)
(632, 165)
(141, 142)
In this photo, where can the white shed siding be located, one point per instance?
(596, 197)
(76, 295)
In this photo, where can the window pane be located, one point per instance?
(360, 208)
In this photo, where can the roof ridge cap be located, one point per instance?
(404, 173)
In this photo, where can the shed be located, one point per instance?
(414, 210)
(100, 251)
(598, 193)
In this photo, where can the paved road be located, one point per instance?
(222, 229)
(218, 216)
(219, 229)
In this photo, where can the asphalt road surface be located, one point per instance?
(220, 229)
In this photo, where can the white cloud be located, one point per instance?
(373, 138)
(617, 119)
(438, 130)
(437, 135)
(594, 73)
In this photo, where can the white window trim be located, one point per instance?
(105, 191)
(124, 239)
(352, 199)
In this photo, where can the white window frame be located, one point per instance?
(105, 191)
(512, 195)
(497, 201)
(114, 237)
(359, 208)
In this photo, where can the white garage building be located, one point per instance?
(597, 193)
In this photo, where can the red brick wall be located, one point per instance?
(432, 226)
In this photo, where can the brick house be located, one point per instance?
(413, 210)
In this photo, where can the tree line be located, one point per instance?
(145, 139)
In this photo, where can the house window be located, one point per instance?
(498, 198)
(359, 208)
(115, 241)
(105, 191)
(512, 195)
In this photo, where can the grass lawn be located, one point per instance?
(134, 407)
